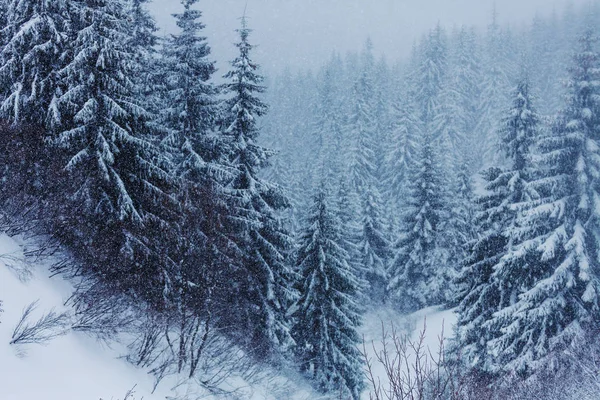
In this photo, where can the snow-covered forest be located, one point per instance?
(220, 224)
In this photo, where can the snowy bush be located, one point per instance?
(49, 326)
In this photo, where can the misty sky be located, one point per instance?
(303, 33)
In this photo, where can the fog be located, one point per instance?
(303, 33)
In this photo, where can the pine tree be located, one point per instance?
(264, 285)
(406, 129)
(421, 269)
(143, 40)
(190, 95)
(205, 247)
(119, 194)
(373, 245)
(328, 124)
(553, 252)
(494, 89)
(433, 65)
(327, 315)
(499, 208)
(34, 49)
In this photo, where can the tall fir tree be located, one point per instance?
(205, 247)
(34, 49)
(143, 40)
(362, 128)
(264, 285)
(190, 95)
(506, 190)
(406, 129)
(431, 75)
(327, 315)
(549, 277)
(494, 89)
(421, 269)
(119, 195)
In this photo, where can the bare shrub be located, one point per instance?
(100, 311)
(18, 265)
(413, 372)
(129, 395)
(46, 328)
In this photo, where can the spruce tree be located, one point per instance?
(362, 129)
(143, 40)
(34, 48)
(263, 287)
(549, 278)
(205, 246)
(431, 75)
(494, 89)
(191, 97)
(119, 195)
(327, 315)
(406, 129)
(421, 268)
(496, 220)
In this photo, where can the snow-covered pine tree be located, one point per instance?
(506, 190)
(494, 89)
(453, 127)
(545, 63)
(143, 40)
(143, 28)
(263, 289)
(326, 314)
(431, 75)
(35, 40)
(420, 271)
(205, 247)
(406, 129)
(191, 111)
(118, 197)
(549, 280)
(328, 124)
(374, 247)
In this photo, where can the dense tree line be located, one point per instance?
(429, 182)
(471, 179)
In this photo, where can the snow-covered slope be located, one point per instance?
(77, 367)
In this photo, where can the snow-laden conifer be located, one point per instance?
(327, 315)
(362, 129)
(263, 286)
(406, 129)
(498, 210)
(190, 111)
(548, 280)
(420, 271)
(35, 45)
(431, 75)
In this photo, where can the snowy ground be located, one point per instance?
(77, 367)
(435, 322)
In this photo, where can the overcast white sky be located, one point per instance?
(303, 33)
